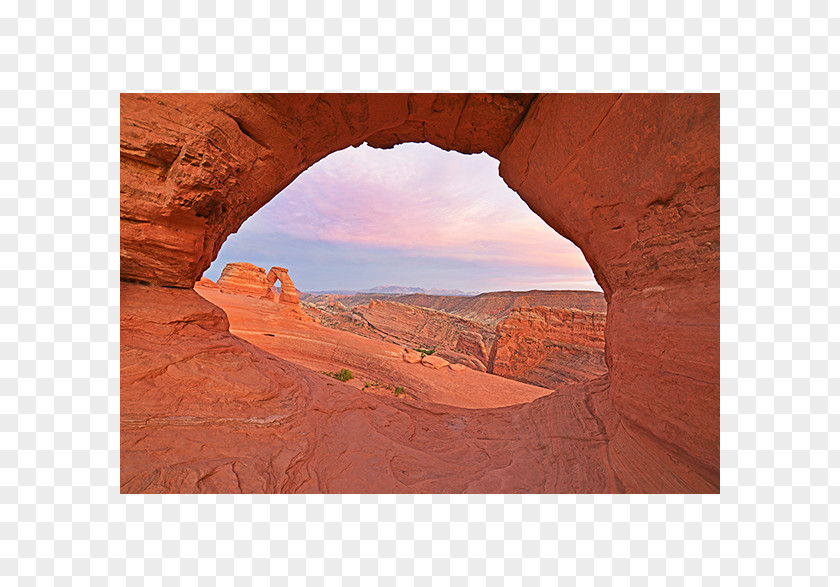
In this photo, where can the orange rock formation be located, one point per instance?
(632, 179)
(246, 279)
(250, 280)
(549, 346)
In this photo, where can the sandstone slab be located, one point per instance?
(434, 362)
(412, 357)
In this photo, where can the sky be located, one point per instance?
(414, 215)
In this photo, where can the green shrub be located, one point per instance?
(398, 390)
(426, 351)
(344, 375)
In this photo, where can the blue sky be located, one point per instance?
(414, 215)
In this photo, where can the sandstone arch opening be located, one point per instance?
(500, 291)
(633, 180)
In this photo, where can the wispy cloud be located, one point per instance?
(420, 202)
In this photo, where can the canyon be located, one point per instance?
(507, 333)
(547, 346)
(632, 179)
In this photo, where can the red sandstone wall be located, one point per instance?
(193, 167)
(549, 346)
(634, 181)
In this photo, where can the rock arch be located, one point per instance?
(632, 179)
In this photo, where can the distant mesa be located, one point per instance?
(393, 290)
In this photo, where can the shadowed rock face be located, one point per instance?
(633, 180)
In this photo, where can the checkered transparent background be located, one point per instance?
(62, 519)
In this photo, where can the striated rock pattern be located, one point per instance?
(434, 361)
(549, 346)
(246, 279)
(430, 329)
(458, 339)
(250, 280)
(488, 308)
(217, 414)
(378, 362)
(462, 359)
(288, 293)
(632, 179)
(492, 307)
(472, 343)
(204, 282)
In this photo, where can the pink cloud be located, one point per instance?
(421, 200)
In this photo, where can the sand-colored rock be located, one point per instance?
(205, 282)
(461, 339)
(632, 179)
(434, 362)
(246, 279)
(549, 346)
(375, 361)
(492, 307)
(412, 357)
(250, 280)
(472, 343)
(461, 359)
(456, 367)
(288, 292)
(486, 308)
(424, 328)
(262, 424)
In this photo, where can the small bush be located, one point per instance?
(344, 375)
(426, 351)
(398, 390)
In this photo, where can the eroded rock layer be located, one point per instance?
(377, 366)
(549, 346)
(633, 180)
(288, 292)
(456, 339)
(488, 308)
(249, 280)
(213, 413)
(246, 279)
